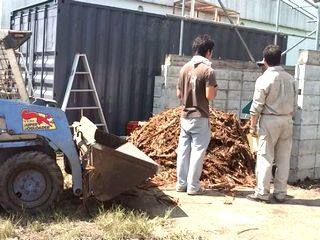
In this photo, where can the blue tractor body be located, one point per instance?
(44, 125)
(101, 164)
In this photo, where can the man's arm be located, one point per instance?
(253, 125)
(211, 92)
(258, 102)
(211, 85)
(178, 93)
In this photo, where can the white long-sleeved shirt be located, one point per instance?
(274, 93)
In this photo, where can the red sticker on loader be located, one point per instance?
(32, 121)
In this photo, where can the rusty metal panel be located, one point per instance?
(125, 50)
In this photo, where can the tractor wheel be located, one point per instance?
(29, 181)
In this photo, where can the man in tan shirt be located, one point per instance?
(196, 87)
(271, 121)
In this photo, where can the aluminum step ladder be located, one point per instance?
(92, 89)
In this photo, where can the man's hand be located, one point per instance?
(254, 131)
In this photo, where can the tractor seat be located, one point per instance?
(45, 102)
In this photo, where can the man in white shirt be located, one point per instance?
(271, 121)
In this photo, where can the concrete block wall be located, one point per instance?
(236, 86)
(305, 156)
(235, 80)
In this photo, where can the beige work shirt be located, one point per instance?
(274, 93)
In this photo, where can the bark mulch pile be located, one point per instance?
(228, 161)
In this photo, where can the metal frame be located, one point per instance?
(305, 12)
(291, 4)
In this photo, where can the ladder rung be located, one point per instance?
(81, 108)
(82, 73)
(82, 90)
(98, 125)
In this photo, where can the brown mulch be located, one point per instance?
(228, 161)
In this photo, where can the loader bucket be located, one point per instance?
(117, 165)
(14, 39)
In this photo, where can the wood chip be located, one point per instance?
(228, 161)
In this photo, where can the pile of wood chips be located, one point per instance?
(228, 161)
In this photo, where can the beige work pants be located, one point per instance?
(275, 143)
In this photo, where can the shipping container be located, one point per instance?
(125, 50)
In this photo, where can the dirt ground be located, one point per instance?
(217, 216)
(174, 216)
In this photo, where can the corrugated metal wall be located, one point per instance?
(39, 51)
(125, 50)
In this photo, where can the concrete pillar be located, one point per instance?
(305, 156)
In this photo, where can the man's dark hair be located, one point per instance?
(272, 55)
(202, 44)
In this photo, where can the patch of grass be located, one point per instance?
(118, 223)
(121, 224)
(7, 229)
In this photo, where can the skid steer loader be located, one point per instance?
(101, 164)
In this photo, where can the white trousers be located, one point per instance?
(274, 145)
(194, 139)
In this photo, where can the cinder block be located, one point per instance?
(318, 133)
(317, 164)
(248, 86)
(296, 132)
(222, 84)
(293, 178)
(158, 91)
(297, 117)
(170, 96)
(308, 132)
(157, 110)
(309, 117)
(310, 103)
(294, 162)
(159, 81)
(234, 95)
(235, 85)
(221, 95)
(219, 104)
(172, 104)
(222, 74)
(311, 73)
(171, 81)
(233, 105)
(317, 173)
(235, 75)
(311, 57)
(311, 87)
(158, 103)
(295, 147)
(306, 161)
(251, 76)
(308, 146)
(173, 71)
(302, 174)
(246, 95)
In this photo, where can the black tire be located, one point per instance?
(29, 181)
